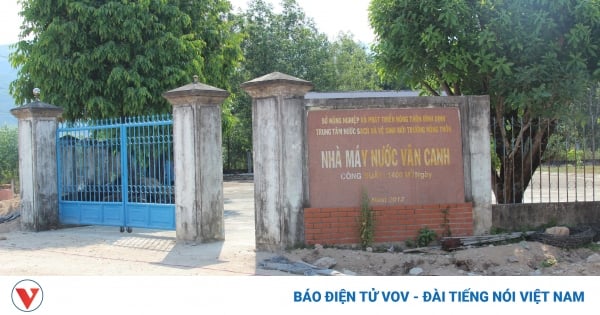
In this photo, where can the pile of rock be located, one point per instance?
(564, 237)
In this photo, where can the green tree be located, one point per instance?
(9, 159)
(576, 136)
(534, 58)
(286, 41)
(354, 67)
(100, 59)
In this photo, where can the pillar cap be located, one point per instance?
(37, 109)
(196, 93)
(277, 83)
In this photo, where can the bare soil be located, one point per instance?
(7, 207)
(517, 259)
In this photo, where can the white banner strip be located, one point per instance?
(296, 295)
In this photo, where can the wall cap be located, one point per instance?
(37, 109)
(277, 83)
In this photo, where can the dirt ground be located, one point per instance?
(517, 259)
(7, 207)
(520, 258)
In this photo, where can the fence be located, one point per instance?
(117, 172)
(566, 169)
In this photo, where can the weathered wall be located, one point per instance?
(282, 192)
(331, 226)
(38, 173)
(517, 217)
(398, 156)
(278, 127)
(475, 114)
(198, 162)
(474, 117)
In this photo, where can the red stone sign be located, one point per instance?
(399, 156)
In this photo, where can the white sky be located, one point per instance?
(331, 17)
(10, 21)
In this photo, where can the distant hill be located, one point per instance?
(7, 75)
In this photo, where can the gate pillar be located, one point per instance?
(278, 127)
(38, 173)
(198, 162)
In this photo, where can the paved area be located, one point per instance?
(98, 250)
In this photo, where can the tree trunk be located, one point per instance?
(520, 144)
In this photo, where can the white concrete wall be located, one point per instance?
(210, 173)
(37, 165)
(186, 204)
(292, 173)
(266, 141)
(197, 145)
(26, 171)
(480, 157)
(278, 171)
(278, 126)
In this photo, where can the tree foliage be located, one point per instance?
(288, 42)
(354, 67)
(9, 159)
(100, 59)
(115, 58)
(534, 58)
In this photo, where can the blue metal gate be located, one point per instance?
(117, 172)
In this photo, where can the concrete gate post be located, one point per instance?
(198, 161)
(38, 172)
(278, 127)
(478, 178)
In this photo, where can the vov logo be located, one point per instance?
(27, 295)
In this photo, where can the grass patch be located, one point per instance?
(593, 246)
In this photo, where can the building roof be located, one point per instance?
(359, 94)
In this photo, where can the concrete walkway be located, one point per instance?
(100, 250)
